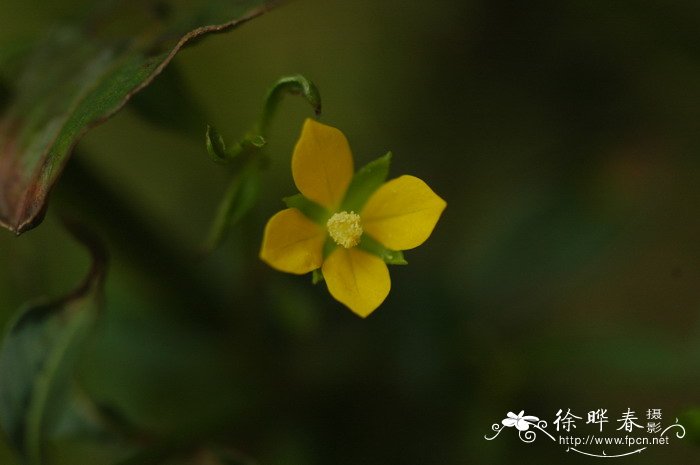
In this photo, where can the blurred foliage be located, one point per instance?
(39, 399)
(80, 74)
(563, 135)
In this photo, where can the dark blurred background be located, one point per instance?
(565, 272)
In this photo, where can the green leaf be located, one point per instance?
(90, 430)
(390, 257)
(328, 247)
(365, 182)
(238, 200)
(38, 358)
(309, 208)
(80, 75)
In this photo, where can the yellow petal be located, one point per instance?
(322, 164)
(357, 279)
(292, 243)
(402, 213)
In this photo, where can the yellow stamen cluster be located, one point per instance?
(345, 229)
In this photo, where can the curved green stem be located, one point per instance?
(247, 158)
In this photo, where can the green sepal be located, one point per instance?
(390, 257)
(365, 182)
(317, 276)
(328, 247)
(308, 208)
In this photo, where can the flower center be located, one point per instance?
(345, 229)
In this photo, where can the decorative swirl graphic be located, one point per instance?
(679, 434)
(527, 436)
(529, 427)
(522, 423)
(497, 428)
(606, 456)
(542, 425)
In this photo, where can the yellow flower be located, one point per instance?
(350, 246)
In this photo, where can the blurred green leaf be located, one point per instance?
(90, 430)
(80, 75)
(365, 182)
(238, 200)
(38, 358)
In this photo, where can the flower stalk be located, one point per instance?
(246, 157)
